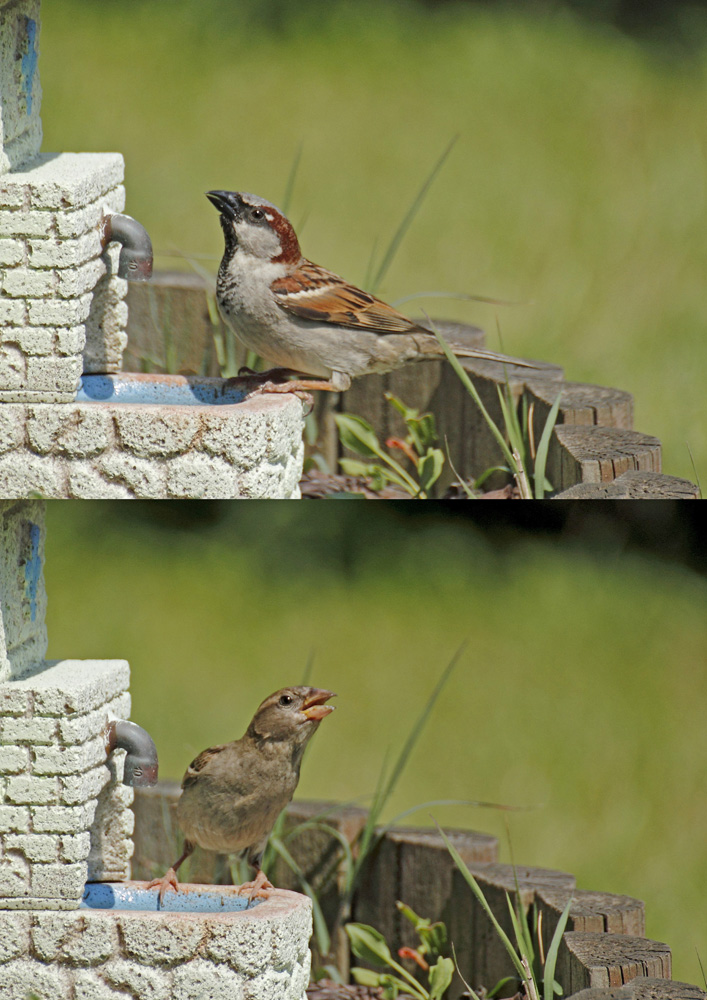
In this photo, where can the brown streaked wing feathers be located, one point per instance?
(200, 762)
(332, 300)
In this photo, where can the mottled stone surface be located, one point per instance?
(260, 953)
(104, 450)
(65, 815)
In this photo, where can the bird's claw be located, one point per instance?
(259, 887)
(284, 387)
(168, 881)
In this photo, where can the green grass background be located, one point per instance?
(577, 184)
(581, 691)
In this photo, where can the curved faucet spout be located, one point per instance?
(141, 761)
(135, 261)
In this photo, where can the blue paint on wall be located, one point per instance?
(33, 569)
(29, 62)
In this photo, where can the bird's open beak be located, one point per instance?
(224, 202)
(313, 706)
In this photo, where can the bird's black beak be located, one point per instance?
(226, 202)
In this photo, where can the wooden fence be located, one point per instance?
(594, 453)
(603, 947)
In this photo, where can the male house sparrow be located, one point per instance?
(304, 318)
(232, 794)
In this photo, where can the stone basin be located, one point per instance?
(171, 390)
(191, 898)
(153, 437)
(257, 953)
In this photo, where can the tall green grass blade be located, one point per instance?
(308, 669)
(472, 994)
(386, 787)
(476, 889)
(321, 931)
(461, 296)
(551, 959)
(520, 929)
(471, 389)
(390, 253)
(291, 178)
(332, 832)
(510, 419)
(543, 447)
(419, 725)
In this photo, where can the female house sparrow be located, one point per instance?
(304, 318)
(232, 794)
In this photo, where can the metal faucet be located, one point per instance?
(135, 261)
(140, 766)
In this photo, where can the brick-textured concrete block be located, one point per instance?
(62, 819)
(57, 275)
(100, 954)
(65, 813)
(14, 819)
(20, 90)
(99, 450)
(23, 599)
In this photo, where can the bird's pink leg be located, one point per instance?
(169, 880)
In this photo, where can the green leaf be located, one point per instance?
(368, 944)
(422, 432)
(429, 468)
(354, 467)
(500, 984)
(405, 411)
(366, 977)
(434, 937)
(440, 977)
(357, 435)
(549, 984)
(409, 914)
(543, 446)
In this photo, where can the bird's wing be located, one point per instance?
(201, 764)
(314, 293)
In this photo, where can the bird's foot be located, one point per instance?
(168, 881)
(272, 374)
(260, 886)
(295, 388)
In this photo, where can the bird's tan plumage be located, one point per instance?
(233, 793)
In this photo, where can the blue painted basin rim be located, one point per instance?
(122, 896)
(165, 390)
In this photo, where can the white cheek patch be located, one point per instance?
(257, 240)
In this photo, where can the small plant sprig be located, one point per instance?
(520, 444)
(534, 969)
(418, 447)
(369, 944)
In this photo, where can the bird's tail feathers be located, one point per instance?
(472, 352)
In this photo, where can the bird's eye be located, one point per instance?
(286, 699)
(257, 214)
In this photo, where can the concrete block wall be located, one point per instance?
(20, 92)
(61, 302)
(23, 599)
(109, 450)
(256, 954)
(65, 818)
